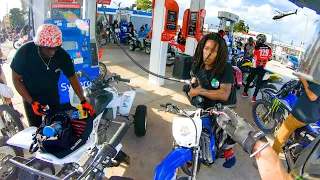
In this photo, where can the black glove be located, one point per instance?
(239, 130)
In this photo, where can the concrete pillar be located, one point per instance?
(159, 49)
(39, 13)
(223, 24)
(191, 43)
(231, 27)
(90, 12)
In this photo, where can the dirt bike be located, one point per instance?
(199, 140)
(89, 161)
(135, 43)
(10, 122)
(102, 67)
(18, 42)
(267, 80)
(270, 112)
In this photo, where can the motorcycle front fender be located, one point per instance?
(177, 157)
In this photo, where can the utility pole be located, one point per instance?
(304, 37)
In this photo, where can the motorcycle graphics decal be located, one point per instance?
(215, 83)
(184, 131)
(126, 100)
(275, 105)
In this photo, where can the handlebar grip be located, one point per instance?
(124, 80)
(117, 137)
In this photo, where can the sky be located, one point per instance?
(256, 13)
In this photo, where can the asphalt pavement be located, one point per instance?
(148, 151)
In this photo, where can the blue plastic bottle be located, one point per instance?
(52, 130)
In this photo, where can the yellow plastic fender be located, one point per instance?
(247, 64)
(275, 77)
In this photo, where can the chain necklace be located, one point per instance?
(44, 61)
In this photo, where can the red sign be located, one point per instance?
(67, 0)
(167, 36)
(70, 6)
(105, 2)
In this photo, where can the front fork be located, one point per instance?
(196, 152)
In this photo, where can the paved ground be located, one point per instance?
(148, 151)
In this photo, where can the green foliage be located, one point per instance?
(241, 27)
(16, 17)
(144, 5)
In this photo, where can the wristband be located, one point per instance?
(260, 149)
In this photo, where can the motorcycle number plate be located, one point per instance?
(84, 158)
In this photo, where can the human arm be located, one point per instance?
(219, 94)
(269, 164)
(76, 86)
(20, 87)
(253, 141)
(311, 95)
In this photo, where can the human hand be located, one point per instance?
(239, 130)
(303, 81)
(87, 107)
(194, 92)
(37, 108)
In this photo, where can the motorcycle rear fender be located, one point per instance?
(247, 64)
(177, 157)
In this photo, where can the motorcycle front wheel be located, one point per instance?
(262, 116)
(11, 120)
(16, 44)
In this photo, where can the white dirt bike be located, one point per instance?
(10, 122)
(88, 161)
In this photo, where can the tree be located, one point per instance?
(16, 17)
(144, 5)
(241, 27)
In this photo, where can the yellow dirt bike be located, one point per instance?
(267, 80)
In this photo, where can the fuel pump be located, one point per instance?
(192, 25)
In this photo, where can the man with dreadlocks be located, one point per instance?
(213, 79)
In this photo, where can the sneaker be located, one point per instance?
(253, 99)
(245, 95)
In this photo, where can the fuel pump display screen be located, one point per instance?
(172, 16)
(70, 45)
(171, 21)
(58, 10)
(193, 23)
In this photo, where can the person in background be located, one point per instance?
(305, 111)
(239, 44)
(146, 29)
(180, 39)
(141, 36)
(224, 35)
(249, 48)
(262, 55)
(130, 29)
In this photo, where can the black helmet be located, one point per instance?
(261, 38)
(250, 39)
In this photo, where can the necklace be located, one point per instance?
(45, 62)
